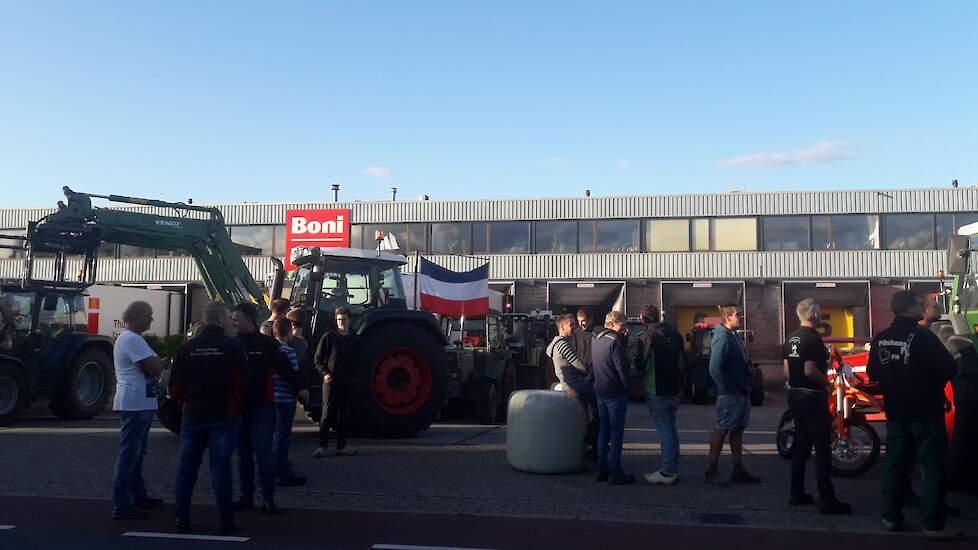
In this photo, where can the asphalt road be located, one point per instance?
(69, 524)
(452, 473)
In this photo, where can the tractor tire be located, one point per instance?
(785, 436)
(757, 393)
(14, 391)
(85, 386)
(487, 401)
(507, 385)
(168, 411)
(700, 386)
(402, 382)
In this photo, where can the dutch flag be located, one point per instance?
(453, 294)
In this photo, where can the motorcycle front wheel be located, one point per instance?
(856, 454)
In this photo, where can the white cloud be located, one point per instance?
(822, 152)
(378, 172)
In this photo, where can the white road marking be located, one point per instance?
(415, 547)
(6, 527)
(215, 538)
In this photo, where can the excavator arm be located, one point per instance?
(78, 228)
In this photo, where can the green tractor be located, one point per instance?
(46, 352)
(483, 367)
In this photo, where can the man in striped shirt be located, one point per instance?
(285, 409)
(574, 374)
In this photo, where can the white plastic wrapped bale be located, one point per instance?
(545, 432)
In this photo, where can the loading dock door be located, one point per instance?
(686, 303)
(845, 307)
(599, 297)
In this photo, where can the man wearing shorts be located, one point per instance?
(730, 372)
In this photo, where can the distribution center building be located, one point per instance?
(850, 250)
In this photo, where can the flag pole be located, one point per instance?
(417, 262)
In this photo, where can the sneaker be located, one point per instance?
(659, 478)
(291, 481)
(834, 508)
(320, 452)
(802, 499)
(243, 504)
(891, 525)
(621, 478)
(129, 513)
(149, 502)
(741, 475)
(602, 475)
(943, 534)
(346, 451)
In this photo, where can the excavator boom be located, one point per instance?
(78, 228)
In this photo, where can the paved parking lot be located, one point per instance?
(461, 468)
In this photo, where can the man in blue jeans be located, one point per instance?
(611, 389)
(731, 373)
(208, 380)
(660, 360)
(265, 360)
(285, 398)
(136, 372)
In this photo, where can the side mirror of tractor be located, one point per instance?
(958, 252)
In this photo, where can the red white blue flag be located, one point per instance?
(451, 293)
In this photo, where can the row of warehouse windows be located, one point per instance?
(772, 233)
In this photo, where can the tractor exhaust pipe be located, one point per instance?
(279, 279)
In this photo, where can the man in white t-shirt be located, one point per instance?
(136, 372)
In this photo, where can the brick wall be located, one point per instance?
(880, 313)
(762, 305)
(530, 296)
(638, 295)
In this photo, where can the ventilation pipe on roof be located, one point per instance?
(422, 197)
(587, 192)
(393, 194)
(336, 192)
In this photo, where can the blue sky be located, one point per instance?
(247, 101)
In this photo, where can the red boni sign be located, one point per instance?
(323, 228)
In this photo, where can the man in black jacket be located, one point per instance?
(611, 388)
(337, 358)
(660, 361)
(208, 380)
(912, 367)
(265, 360)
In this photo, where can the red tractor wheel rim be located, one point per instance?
(402, 380)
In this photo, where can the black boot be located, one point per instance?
(226, 526)
(183, 526)
(243, 503)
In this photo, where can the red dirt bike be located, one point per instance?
(856, 403)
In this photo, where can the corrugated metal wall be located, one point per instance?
(690, 205)
(893, 264)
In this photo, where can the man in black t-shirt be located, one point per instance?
(806, 362)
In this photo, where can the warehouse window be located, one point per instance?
(7, 253)
(909, 231)
(410, 236)
(509, 237)
(609, 235)
(943, 229)
(451, 238)
(787, 233)
(846, 232)
(255, 236)
(701, 234)
(129, 251)
(480, 238)
(734, 233)
(558, 237)
(667, 235)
